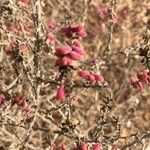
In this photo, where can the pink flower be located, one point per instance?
(99, 78)
(63, 50)
(74, 55)
(84, 74)
(2, 99)
(136, 84)
(97, 147)
(84, 147)
(65, 61)
(61, 95)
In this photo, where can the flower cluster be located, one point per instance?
(74, 31)
(68, 54)
(143, 78)
(73, 51)
(92, 77)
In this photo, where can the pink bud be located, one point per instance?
(84, 74)
(84, 147)
(79, 50)
(91, 78)
(82, 33)
(2, 99)
(79, 30)
(98, 78)
(65, 61)
(74, 55)
(77, 46)
(61, 95)
(63, 50)
(97, 147)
